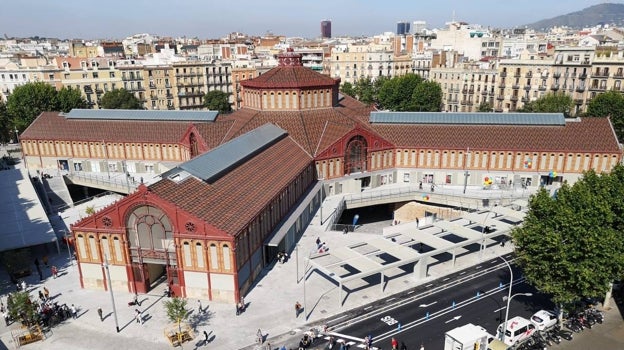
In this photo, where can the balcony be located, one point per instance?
(527, 87)
(169, 96)
(528, 75)
(514, 98)
(517, 75)
(500, 97)
(503, 74)
(542, 88)
(170, 107)
(464, 91)
(582, 76)
(557, 75)
(471, 91)
(600, 74)
(498, 110)
(484, 92)
(578, 101)
(554, 87)
(525, 99)
(501, 85)
(618, 75)
(580, 88)
(515, 86)
(154, 97)
(99, 91)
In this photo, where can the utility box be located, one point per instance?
(466, 337)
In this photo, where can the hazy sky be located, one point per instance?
(116, 19)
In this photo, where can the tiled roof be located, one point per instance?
(52, 126)
(141, 114)
(586, 135)
(243, 193)
(289, 77)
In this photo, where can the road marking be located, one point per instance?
(461, 273)
(494, 262)
(411, 291)
(502, 308)
(446, 279)
(343, 316)
(390, 299)
(453, 319)
(427, 305)
(368, 308)
(478, 267)
(429, 285)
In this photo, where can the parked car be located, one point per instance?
(518, 331)
(543, 320)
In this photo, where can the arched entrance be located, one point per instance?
(152, 249)
(355, 155)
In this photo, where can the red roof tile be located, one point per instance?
(243, 193)
(586, 135)
(290, 77)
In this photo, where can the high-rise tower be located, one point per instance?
(326, 29)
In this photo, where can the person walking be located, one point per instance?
(205, 337)
(74, 311)
(297, 309)
(46, 293)
(199, 307)
(100, 314)
(137, 316)
(394, 343)
(259, 336)
(54, 271)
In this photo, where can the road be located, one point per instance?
(423, 315)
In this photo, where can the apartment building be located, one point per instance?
(241, 72)
(133, 79)
(160, 86)
(464, 89)
(191, 84)
(361, 61)
(93, 77)
(19, 71)
(607, 72)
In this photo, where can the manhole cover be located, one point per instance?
(365, 297)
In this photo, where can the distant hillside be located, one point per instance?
(591, 16)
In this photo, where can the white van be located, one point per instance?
(518, 330)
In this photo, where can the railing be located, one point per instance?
(67, 206)
(125, 184)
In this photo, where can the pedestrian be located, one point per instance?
(403, 346)
(420, 186)
(23, 285)
(5, 314)
(259, 336)
(199, 307)
(394, 343)
(37, 262)
(45, 260)
(46, 293)
(345, 230)
(74, 312)
(318, 242)
(54, 271)
(136, 299)
(297, 309)
(137, 316)
(100, 314)
(502, 244)
(205, 337)
(41, 296)
(422, 347)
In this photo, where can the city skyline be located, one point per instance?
(71, 19)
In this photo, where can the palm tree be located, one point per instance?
(177, 312)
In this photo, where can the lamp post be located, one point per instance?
(483, 232)
(66, 235)
(110, 288)
(509, 297)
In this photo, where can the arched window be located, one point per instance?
(355, 155)
(149, 228)
(214, 258)
(226, 257)
(193, 143)
(199, 252)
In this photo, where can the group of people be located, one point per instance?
(282, 257)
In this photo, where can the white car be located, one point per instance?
(543, 320)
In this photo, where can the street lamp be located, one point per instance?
(110, 288)
(509, 297)
(67, 235)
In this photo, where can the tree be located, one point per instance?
(69, 99)
(484, 107)
(365, 91)
(427, 97)
(347, 89)
(28, 101)
(120, 99)
(611, 104)
(177, 312)
(20, 307)
(216, 100)
(550, 103)
(571, 245)
(396, 94)
(5, 123)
